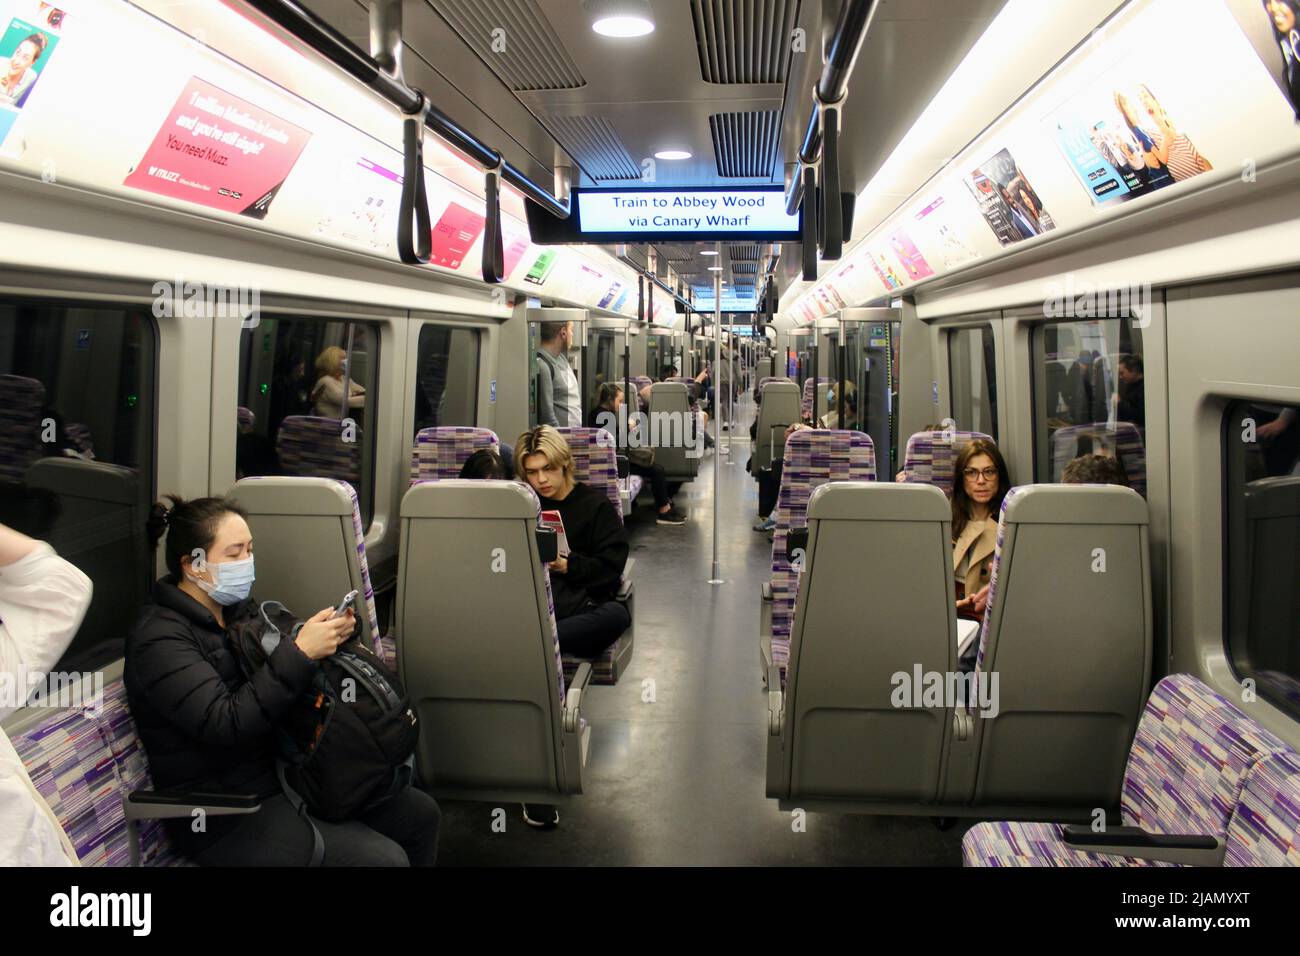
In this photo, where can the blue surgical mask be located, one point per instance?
(234, 581)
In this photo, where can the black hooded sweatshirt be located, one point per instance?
(598, 549)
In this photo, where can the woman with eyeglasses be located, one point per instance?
(981, 484)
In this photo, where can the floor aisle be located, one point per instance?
(679, 780)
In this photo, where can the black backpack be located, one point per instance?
(350, 743)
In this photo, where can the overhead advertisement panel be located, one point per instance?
(755, 214)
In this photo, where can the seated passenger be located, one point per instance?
(980, 482)
(43, 600)
(584, 582)
(1094, 470)
(327, 393)
(640, 458)
(208, 728)
(484, 463)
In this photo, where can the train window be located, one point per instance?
(1261, 450)
(77, 410)
(293, 418)
(446, 390)
(1089, 396)
(972, 379)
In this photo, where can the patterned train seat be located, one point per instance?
(1123, 440)
(930, 456)
(441, 452)
(812, 458)
(314, 447)
(809, 396)
(1186, 772)
(21, 400)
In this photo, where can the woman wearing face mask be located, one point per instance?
(208, 728)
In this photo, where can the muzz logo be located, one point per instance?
(75, 909)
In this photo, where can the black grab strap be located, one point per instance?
(494, 256)
(300, 806)
(413, 249)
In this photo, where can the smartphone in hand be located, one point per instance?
(348, 601)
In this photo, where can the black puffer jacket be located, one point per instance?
(204, 726)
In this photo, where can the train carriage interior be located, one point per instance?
(685, 394)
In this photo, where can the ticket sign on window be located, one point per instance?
(454, 235)
(218, 150)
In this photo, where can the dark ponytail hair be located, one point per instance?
(188, 526)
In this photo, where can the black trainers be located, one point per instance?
(671, 516)
(541, 815)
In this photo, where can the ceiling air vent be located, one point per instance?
(744, 144)
(595, 144)
(744, 253)
(744, 268)
(675, 253)
(744, 41)
(515, 40)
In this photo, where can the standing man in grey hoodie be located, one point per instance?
(559, 397)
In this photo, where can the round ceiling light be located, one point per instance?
(708, 252)
(621, 19)
(673, 154)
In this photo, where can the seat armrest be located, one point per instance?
(625, 590)
(169, 804)
(628, 565)
(623, 464)
(766, 591)
(775, 701)
(573, 698)
(1195, 849)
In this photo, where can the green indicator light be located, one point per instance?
(264, 388)
(132, 401)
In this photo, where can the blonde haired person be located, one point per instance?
(43, 600)
(584, 582)
(327, 394)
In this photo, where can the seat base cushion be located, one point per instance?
(1031, 844)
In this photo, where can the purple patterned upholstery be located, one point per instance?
(1122, 439)
(442, 452)
(812, 458)
(1186, 771)
(930, 456)
(1265, 827)
(809, 396)
(84, 763)
(993, 575)
(21, 400)
(639, 382)
(312, 447)
(384, 645)
(593, 461)
(81, 438)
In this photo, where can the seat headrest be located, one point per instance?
(468, 498)
(878, 501)
(1074, 504)
(293, 496)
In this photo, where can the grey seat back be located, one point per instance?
(308, 546)
(477, 651)
(1068, 635)
(673, 426)
(779, 410)
(847, 732)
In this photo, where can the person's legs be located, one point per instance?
(589, 632)
(658, 483)
(411, 819)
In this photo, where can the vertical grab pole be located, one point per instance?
(717, 418)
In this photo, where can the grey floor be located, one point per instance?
(680, 781)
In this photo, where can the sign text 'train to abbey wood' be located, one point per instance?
(686, 213)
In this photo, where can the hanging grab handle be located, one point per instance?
(414, 248)
(494, 257)
(810, 223)
(832, 212)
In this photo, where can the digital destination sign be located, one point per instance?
(756, 214)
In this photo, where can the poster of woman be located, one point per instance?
(1122, 142)
(26, 45)
(1008, 203)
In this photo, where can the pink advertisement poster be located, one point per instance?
(454, 235)
(914, 263)
(887, 274)
(516, 246)
(219, 151)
